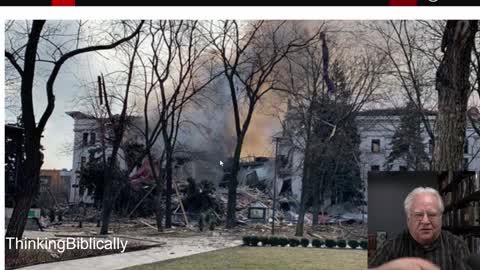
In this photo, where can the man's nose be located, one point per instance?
(425, 218)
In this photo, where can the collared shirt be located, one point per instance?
(447, 251)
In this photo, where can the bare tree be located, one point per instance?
(413, 51)
(472, 113)
(250, 55)
(24, 59)
(416, 50)
(170, 71)
(178, 71)
(453, 87)
(118, 124)
(325, 89)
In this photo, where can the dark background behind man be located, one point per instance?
(386, 193)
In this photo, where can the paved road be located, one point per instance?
(175, 248)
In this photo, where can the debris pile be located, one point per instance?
(201, 207)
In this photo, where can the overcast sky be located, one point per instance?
(58, 135)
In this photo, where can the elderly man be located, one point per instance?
(425, 241)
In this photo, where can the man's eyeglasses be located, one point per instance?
(430, 215)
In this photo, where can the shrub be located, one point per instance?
(341, 243)
(283, 241)
(317, 243)
(304, 242)
(330, 243)
(274, 241)
(293, 242)
(247, 240)
(254, 241)
(265, 241)
(364, 244)
(211, 226)
(353, 244)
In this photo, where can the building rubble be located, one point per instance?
(199, 202)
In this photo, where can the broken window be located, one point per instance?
(375, 146)
(85, 138)
(83, 160)
(252, 179)
(181, 161)
(285, 206)
(92, 138)
(282, 161)
(375, 168)
(402, 168)
(91, 157)
(465, 147)
(465, 164)
(286, 189)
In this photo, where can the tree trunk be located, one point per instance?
(453, 86)
(305, 190)
(303, 202)
(167, 140)
(26, 192)
(168, 191)
(107, 202)
(158, 207)
(27, 189)
(109, 189)
(232, 186)
(316, 203)
(28, 185)
(17, 224)
(305, 172)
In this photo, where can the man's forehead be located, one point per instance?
(421, 210)
(422, 200)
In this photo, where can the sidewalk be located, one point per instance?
(174, 249)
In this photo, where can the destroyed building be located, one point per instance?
(256, 171)
(199, 164)
(207, 159)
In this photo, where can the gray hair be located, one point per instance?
(422, 190)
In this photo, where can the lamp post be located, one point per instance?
(275, 185)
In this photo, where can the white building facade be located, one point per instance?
(85, 130)
(87, 136)
(376, 129)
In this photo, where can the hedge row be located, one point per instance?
(253, 240)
